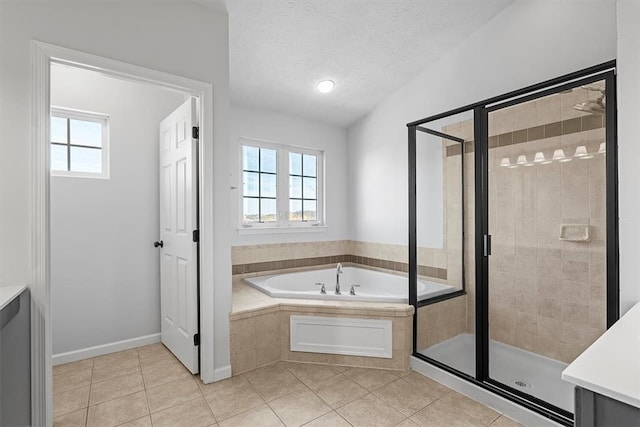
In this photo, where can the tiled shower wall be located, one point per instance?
(547, 295)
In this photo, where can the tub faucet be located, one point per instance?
(338, 273)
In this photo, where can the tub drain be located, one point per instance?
(522, 384)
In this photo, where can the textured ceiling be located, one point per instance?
(279, 49)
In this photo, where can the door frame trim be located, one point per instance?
(42, 56)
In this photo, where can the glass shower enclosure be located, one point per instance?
(513, 206)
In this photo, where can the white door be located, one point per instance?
(178, 246)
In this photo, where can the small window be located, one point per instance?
(303, 187)
(259, 184)
(79, 144)
(281, 185)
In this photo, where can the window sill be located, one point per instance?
(63, 174)
(283, 230)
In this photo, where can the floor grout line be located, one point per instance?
(144, 387)
(289, 369)
(86, 418)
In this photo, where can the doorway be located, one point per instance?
(105, 213)
(44, 55)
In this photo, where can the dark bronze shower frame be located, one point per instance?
(606, 72)
(463, 290)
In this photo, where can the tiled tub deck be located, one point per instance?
(259, 329)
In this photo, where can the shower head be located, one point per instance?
(591, 107)
(594, 106)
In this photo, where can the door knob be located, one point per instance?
(160, 243)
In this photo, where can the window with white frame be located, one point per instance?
(79, 143)
(281, 185)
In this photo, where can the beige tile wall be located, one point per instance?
(279, 256)
(441, 321)
(263, 338)
(546, 295)
(281, 251)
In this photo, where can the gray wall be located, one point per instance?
(105, 284)
(529, 42)
(180, 38)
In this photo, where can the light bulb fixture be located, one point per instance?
(325, 86)
(582, 153)
(540, 159)
(522, 161)
(559, 156)
(505, 163)
(603, 149)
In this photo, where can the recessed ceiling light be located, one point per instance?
(325, 86)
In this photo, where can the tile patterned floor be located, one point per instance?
(147, 386)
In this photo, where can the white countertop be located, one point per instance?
(611, 365)
(9, 293)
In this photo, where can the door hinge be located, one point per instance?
(487, 244)
(196, 340)
(196, 236)
(195, 132)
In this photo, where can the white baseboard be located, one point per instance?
(222, 373)
(500, 404)
(99, 350)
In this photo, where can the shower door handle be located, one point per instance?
(487, 244)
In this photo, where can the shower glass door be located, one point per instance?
(444, 189)
(547, 237)
(513, 213)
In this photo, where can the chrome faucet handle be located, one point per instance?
(322, 289)
(352, 291)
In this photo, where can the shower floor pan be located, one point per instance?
(522, 370)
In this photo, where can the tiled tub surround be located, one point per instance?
(259, 329)
(281, 256)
